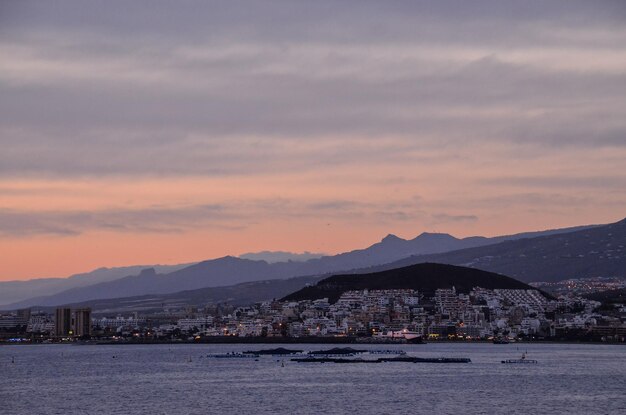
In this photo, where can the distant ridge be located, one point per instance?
(238, 295)
(280, 256)
(390, 252)
(13, 291)
(426, 278)
(251, 292)
(598, 251)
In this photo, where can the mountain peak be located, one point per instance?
(147, 272)
(228, 259)
(435, 235)
(391, 238)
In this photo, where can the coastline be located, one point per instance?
(299, 340)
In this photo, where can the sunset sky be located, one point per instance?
(169, 132)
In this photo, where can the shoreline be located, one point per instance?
(297, 340)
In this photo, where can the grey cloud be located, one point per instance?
(39, 191)
(603, 182)
(148, 220)
(235, 88)
(446, 218)
(529, 199)
(336, 205)
(391, 216)
(229, 215)
(278, 20)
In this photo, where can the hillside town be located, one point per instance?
(397, 315)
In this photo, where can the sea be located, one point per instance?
(181, 379)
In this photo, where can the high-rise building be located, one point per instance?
(63, 321)
(82, 322)
(24, 314)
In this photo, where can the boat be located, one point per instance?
(401, 335)
(522, 360)
(415, 339)
(500, 340)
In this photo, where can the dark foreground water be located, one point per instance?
(160, 379)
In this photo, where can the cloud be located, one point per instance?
(604, 182)
(487, 106)
(527, 200)
(226, 90)
(226, 216)
(445, 218)
(148, 220)
(336, 205)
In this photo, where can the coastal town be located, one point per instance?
(399, 315)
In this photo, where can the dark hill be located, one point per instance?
(426, 278)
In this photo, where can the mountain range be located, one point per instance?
(280, 256)
(245, 293)
(12, 291)
(422, 277)
(593, 252)
(511, 255)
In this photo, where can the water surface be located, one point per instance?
(178, 379)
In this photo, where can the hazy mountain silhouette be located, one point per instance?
(593, 252)
(280, 256)
(217, 272)
(240, 294)
(12, 291)
(392, 248)
(229, 271)
(423, 277)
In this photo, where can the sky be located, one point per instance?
(153, 132)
